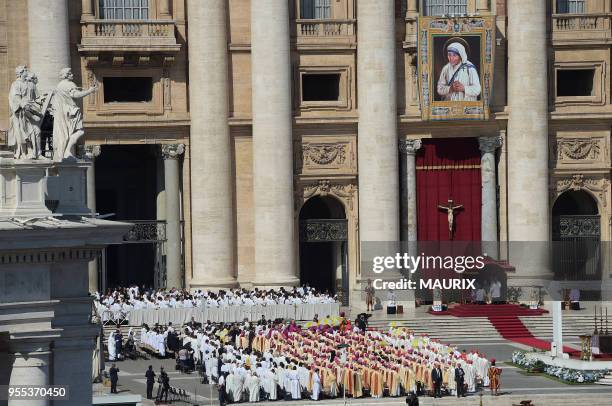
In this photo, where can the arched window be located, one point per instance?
(315, 9)
(124, 9)
(570, 6)
(444, 7)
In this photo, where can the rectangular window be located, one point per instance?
(128, 89)
(320, 87)
(570, 6)
(124, 9)
(444, 7)
(575, 82)
(315, 9)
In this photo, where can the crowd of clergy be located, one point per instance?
(116, 303)
(326, 358)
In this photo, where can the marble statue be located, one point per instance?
(67, 117)
(26, 115)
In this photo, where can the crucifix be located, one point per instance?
(450, 211)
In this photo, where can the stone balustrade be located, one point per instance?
(128, 35)
(314, 32)
(579, 28)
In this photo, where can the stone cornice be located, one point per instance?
(48, 256)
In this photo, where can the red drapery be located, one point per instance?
(448, 169)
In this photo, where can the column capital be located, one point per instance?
(489, 144)
(92, 151)
(172, 151)
(410, 146)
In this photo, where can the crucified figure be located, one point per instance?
(450, 211)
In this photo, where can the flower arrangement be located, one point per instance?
(564, 374)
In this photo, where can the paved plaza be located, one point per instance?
(516, 386)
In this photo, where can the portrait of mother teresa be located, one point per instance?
(459, 79)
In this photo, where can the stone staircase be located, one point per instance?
(573, 325)
(606, 380)
(448, 329)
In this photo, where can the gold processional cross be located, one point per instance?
(450, 211)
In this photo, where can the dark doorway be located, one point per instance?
(126, 184)
(576, 237)
(323, 241)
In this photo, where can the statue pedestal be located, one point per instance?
(23, 188)
(26, 186)
(67, 184)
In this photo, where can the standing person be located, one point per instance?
(369, 291)
(436, 380)
(164, 385)
(114, 377)
(494, 380)
(221, 389)
(459, 379)
(150, 375)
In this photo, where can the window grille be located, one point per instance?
(315, 9)
(124, 9)
(444, 7)
(570, 6)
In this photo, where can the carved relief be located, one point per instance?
(345, 192)
(317, 155)
(577, 148)
(323, 154)
(597, 186)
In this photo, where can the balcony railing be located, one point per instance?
(313, 32)
(127, 35)
(581, 28)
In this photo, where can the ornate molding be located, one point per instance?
(598, 187)
(577, 148)
(172, 151)
(410, 146)
(324, 154)
(324, 187)
(489, 144)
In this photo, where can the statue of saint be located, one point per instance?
(25, 115)
(67, 117)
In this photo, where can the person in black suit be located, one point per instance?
(114, 378)
(460, 380)
(150, 375)
(436, 379)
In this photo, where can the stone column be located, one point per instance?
(92, 152)
(171, 154)
(409, 193)
(376, 89)
(30, 366)
(275, 249)
(488, 224)
(412, 6)
(48, 40)
(527, 138)
(212, 210)
(87, 9)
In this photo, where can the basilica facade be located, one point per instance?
(263, 142)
